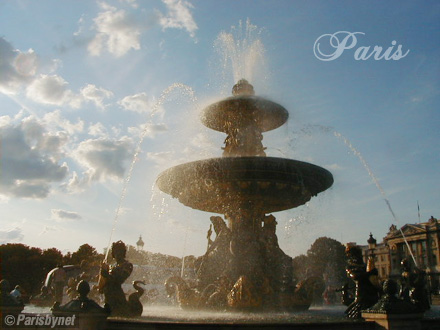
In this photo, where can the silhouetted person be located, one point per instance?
(16, 294)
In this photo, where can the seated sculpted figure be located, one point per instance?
(113, 277)
(366, 291)
(216, 258)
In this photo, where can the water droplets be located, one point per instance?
(242, 53)
(185, 91)
(376, 182)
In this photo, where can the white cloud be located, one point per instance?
(202, 141)
(117, 32)
(98, 130)
(16, 67)
(11, 235)
(148, 130)
(75, 185)
(96, 95)
(47, 229)
(334, 167)
(104, 158)
(52, 90)
(137, 102)
(56, 121)
(179, 16)
(160, 158)
(62, 215)
(132, 3)
(30, 159)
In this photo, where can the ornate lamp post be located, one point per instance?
(371, 247)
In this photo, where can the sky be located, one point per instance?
(97, 98)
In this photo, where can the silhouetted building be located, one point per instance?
(423, 239)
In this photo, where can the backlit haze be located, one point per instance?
(98, 97)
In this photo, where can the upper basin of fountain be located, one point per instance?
(244, 177)
(244, 108)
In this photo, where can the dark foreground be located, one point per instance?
(319, 318)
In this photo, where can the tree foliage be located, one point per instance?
(85, 254)
(326, 257)
(27, 266)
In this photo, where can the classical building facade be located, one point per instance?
(419, 242)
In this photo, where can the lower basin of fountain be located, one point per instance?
(218, 185)
(173, 318)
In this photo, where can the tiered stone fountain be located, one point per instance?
(244, 268)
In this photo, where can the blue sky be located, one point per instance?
(84, 85)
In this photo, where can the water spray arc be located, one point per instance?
(186, 90)
(379, 187)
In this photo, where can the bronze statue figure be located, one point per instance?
(366, 291)
(413, 286)
(114, 276)
(187, 297)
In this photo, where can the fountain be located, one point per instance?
(244, 267)
(244, 271)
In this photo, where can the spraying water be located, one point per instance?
(308, 130)
(376, 182)
(187, 91)
(243, 52)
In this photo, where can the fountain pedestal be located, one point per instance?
(391, 313)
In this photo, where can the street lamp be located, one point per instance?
(371, 243)
(371, 247)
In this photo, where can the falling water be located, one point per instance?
(308, 130)
(183, 253)
(186, 90)
(376, 182)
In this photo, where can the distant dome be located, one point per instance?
(140, 242)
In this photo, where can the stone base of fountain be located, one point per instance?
(132, 325)
(282, 323)
(316, 318)
(387, 321)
